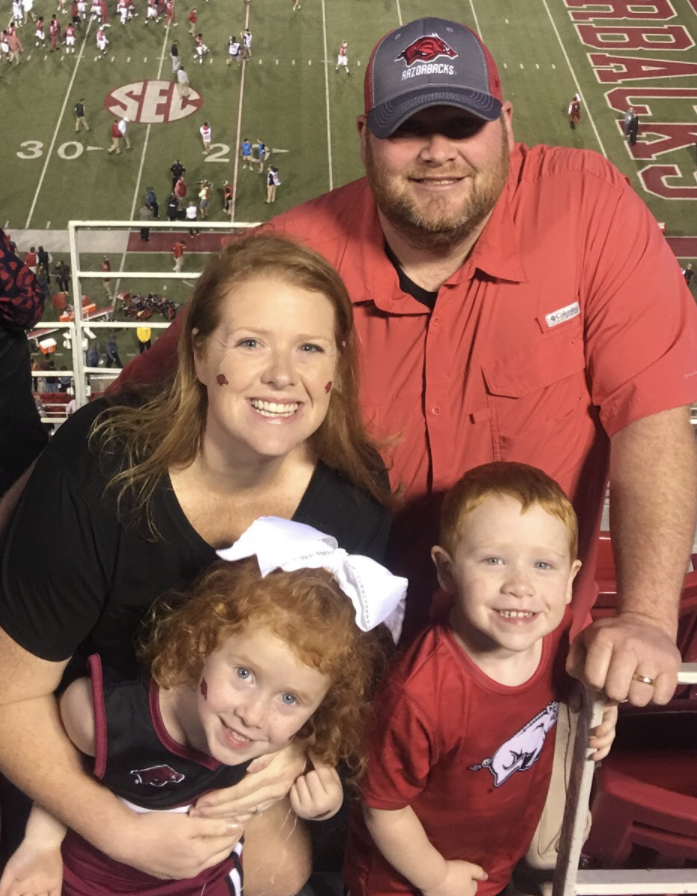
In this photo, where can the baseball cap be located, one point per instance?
(429, 62)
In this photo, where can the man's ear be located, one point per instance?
(444, 569)
(363, 133)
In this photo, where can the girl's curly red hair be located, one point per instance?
(306, 609)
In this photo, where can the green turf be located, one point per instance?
(288, 86)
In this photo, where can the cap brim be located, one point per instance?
(386, 118)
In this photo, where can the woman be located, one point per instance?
(133, 496)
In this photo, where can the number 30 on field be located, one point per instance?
(33, 149)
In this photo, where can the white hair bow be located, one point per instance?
(375, 593)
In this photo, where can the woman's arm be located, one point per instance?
(36, 754)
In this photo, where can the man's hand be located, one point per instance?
(317, 794)
(173, 846)
(259, 789)
(460, 880)
(611, 654)
(33, 870)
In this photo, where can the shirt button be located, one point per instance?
(435, 321)
(435, 410)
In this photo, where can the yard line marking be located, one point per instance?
(326, 98)
(399, 15)
(238, 138)
(309, 62)
(573, 75)
(537, 65)
(142, 156)
(7, 224)
(48, 225)
(505, 65)
(277, 62)
(521, 65)
(58, 124)
(554, 66)
(128, 59)
(90, 148)
(476, 20)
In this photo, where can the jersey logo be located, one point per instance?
(426, 49)
(520, 752)
(563, 314)
(157, 775)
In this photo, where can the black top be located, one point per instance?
(136, 757)
(77, 578)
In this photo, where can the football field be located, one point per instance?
(612, 53)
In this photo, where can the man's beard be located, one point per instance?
(439, 228)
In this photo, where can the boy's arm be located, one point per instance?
(401, 838)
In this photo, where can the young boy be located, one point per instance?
(460, 757)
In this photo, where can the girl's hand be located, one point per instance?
(259, 789)
(33, 870)
(317, 794)
(601, 737)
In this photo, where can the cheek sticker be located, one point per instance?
(221, 380)
(328, 387)
(204, 689)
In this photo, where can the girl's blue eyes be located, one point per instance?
(288, 700)
(243, 673)
(308, 348)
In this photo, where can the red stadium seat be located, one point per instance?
(645, 803)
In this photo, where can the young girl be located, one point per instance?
(259, 652)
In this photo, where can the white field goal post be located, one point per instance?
(74, 330)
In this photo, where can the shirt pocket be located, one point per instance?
(539, 400)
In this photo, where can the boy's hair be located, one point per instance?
(306, 609)
(526, 484)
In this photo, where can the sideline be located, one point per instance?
(238, 138)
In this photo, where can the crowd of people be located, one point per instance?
(389, 415)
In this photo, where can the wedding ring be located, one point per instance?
(644, 679)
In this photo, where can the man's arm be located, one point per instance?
(653, 483)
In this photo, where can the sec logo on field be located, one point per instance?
(151, 102)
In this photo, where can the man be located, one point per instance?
(80, 117)
(227, 197)
(123, 128)
(54, 31)
(628, 118)
(246, 44)
(62, 270)
(70, 45)
(15, 47)
(205, 132)
(633, 130)
(116, 135)
(151, 202)
(21, 302)
(192, 22)
(176, 61)
(246, 153)
(145, 215)
(112, 351)
(233, 51)
(102, 40)
(172, 207)
(178, 253)
(574, 111)
(106, 282)
(183, 83)
(272, 181)
(688, 273)
(342, 58)
(514, 303)
(44, 258)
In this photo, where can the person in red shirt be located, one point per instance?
(180, 188)
(575, 111)
(462, 741)
(178, 254)
(192, 22)
(169, 13)
(54, 30)
(514, 303)
(31, 259)
(116, 137)
(106, 282)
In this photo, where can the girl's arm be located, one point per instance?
(37, 755)
(400, 837)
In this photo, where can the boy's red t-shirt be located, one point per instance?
(473, 758)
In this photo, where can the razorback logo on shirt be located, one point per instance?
(425, 49)
(157, 775)
(521, 751)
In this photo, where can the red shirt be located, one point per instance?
(178, 250)
(106, 264)
(569, 320)
(30, 259)
(192, 16)
(472, 757)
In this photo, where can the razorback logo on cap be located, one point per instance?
(157, 775)
(426, 49)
